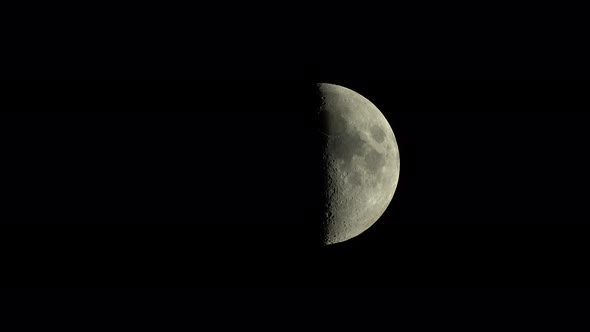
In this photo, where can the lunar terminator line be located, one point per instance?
(361, 163)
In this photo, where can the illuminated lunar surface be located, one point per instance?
(361, 160)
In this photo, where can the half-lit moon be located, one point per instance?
(361, 160)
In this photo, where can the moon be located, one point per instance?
(360, 163)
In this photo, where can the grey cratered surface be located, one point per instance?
(361, 160)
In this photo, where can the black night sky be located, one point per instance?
(207, 184)
(158, 166)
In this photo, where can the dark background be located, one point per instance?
(211, 183)
(119, 184)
